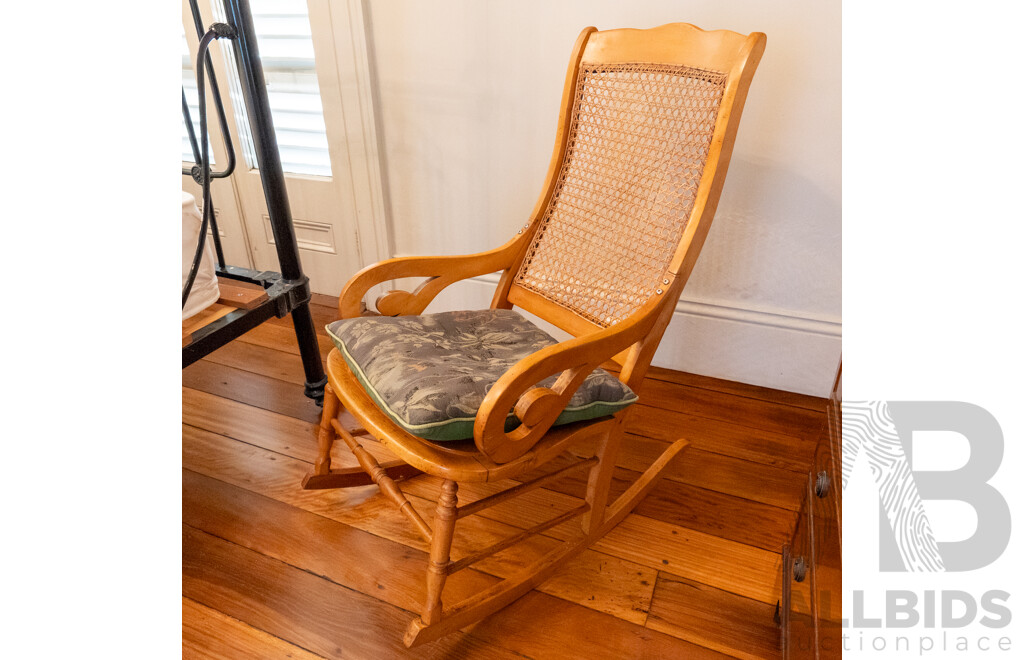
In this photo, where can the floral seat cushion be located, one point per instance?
(430, 373)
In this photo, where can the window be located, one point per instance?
(286, 50)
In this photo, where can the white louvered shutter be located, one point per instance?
(286, 50)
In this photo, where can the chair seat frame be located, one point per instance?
(494, 454)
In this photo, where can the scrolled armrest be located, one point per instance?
(441, 271)
(538, 407)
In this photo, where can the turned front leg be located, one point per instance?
(440, 549)
(325, 438)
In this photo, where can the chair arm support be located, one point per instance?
(538, 407)
(441, 271)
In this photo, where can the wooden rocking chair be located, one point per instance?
(647, 125)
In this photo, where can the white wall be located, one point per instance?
(468, 96)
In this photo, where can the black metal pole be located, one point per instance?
(309, 350)
(257, 105)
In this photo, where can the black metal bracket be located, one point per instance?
(289, 294)
(284, 297)
(223, 31)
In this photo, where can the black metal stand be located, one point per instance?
(288, 291)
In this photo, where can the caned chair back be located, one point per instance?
(646, 131)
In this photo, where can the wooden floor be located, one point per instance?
(270, 570)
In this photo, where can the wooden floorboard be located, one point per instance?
(315, 614)
(270, 362)
(702, 509)
(795, 399)
(358, 560)
(276, 476)
(282, 338)
(207, 633)
(271, 570)
(722, 437)
(716, 619)
(255, 390)
(751, 413)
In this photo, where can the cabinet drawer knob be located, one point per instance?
(822, 484)
(799, 569)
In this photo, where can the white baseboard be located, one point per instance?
(779, 349)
